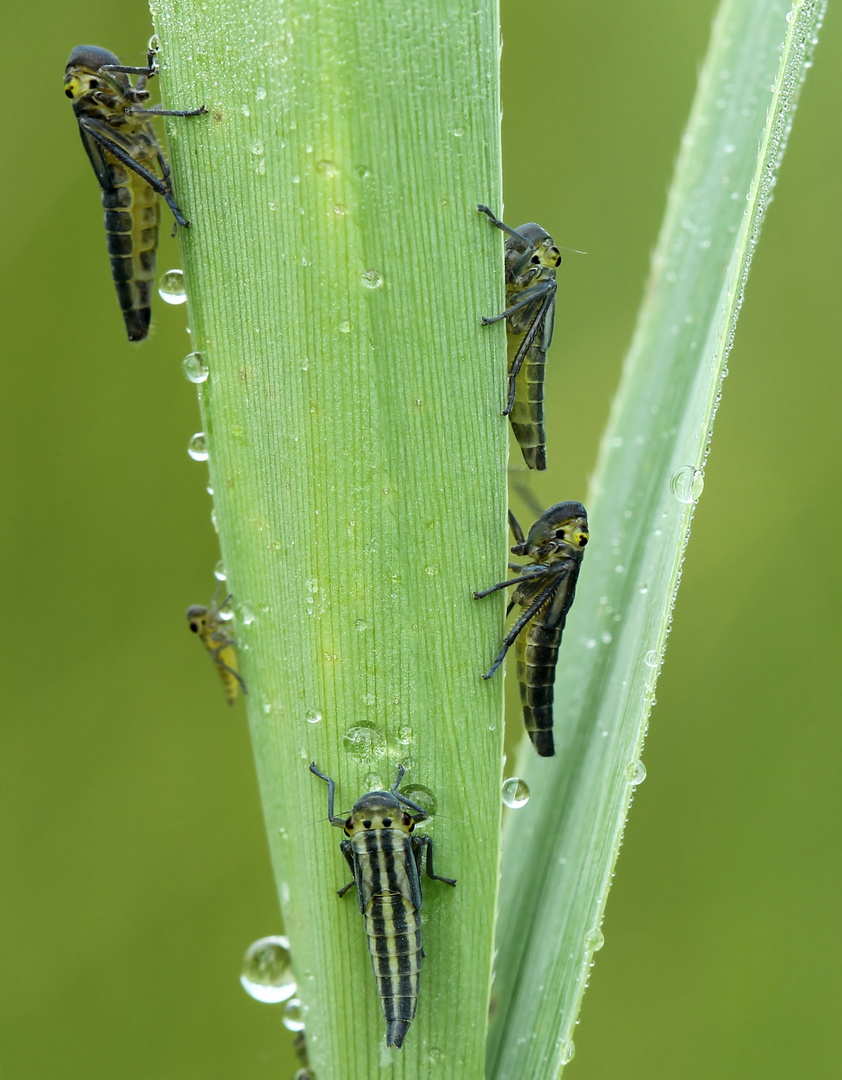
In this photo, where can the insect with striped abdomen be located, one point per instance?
(207, 623)
(386, 859)
(126, 158)
(545, 591)
(531, 259)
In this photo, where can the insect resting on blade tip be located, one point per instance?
(531, 259)
(130, 167)
(209, 626)
(546, 587)
(385, 858)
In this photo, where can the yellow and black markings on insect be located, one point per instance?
(545, 591)
(530, 262)
(208, 624)
(127, 159)
(385, 858)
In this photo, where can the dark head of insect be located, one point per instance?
(197, 618)
(378, 810)
(559, 533)
(530, 254)
(90, 88)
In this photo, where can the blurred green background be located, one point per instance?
(134, 867)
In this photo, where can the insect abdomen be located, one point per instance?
(537, 655)
(392, 925)
(131, 226)
(527, 416)
(394, 941)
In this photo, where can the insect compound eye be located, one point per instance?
(407, 820)
(583, 539)
(194, 627)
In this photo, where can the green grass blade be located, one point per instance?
(337, 270)
(560, 851)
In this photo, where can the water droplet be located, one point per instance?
(171, 287)
(197, 448)
(312, 716)
(194, 367)
(515, 792)
(219, 571)
(266, 973)
(636, 772)
(432, 570)
(260, 93)
(594, 940)
(423, 796)
(214, 521)
(687, 484)
(372, 279)
(246, 110)
(651, 659)
(567, 1051)
(363, 172)
(458, 133)
(345, 327)
(329, 168)
(405, 734)
(257, 148)
(365, 743)
(247, 616)
(293, 1018)
(152, 44)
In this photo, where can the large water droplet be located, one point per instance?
(372, 279)
(567, 1051)
(266, 973)
(171, 287)
(365, 743)
(345, 327)
(651, 659)
(636, 772)
(194, 367)
(197, 448)
(423, 796)
(687, 484)
(312, 716)
(293, 1017)
(219, 571)
(515, 792)
(594, 940)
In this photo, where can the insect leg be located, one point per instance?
(126, 159)
(331, 791)
(345, 848)
(217, 659)
(156, 110)
(514, 525)
(519, 624)
(529, 572)
(422, 844)
(502, 225)
(523, 349)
